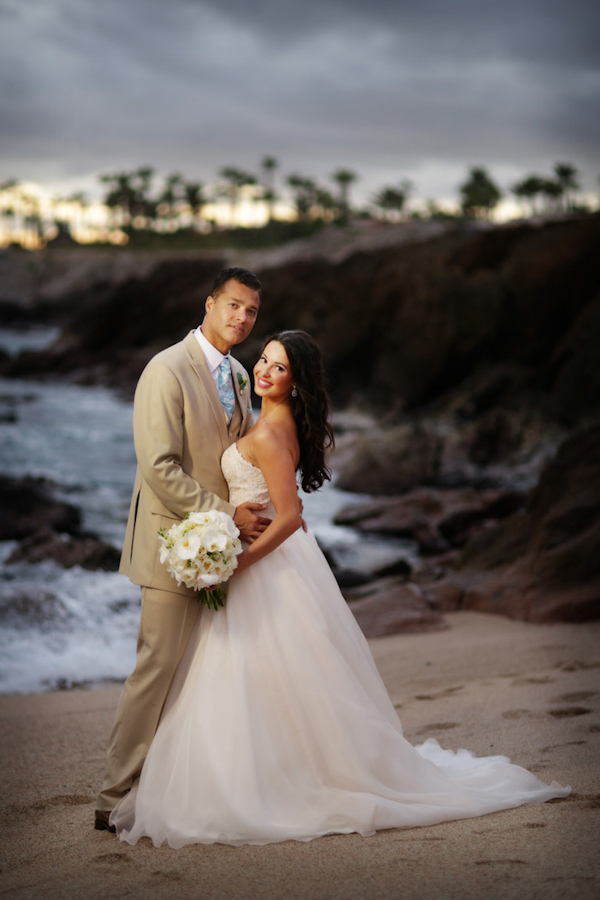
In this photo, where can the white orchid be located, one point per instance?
(201, 551)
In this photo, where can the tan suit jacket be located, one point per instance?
(180, 433)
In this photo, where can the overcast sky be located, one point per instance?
(391, 89)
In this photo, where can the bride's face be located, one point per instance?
(272, 373)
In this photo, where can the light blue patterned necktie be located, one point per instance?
(225, 388)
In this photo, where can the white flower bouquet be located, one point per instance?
(201, 551)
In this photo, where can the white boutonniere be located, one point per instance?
(242, 381)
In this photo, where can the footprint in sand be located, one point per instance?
(558, 746)
(576, 665)
(62, 800)
(569, 712)
(167, 875)
(575, 697)
(500, 862)
(112, 858)
(516, 713)
(440, 695)
(437, 726)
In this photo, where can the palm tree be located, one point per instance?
(305, 194)
(326, 204)
(567, 177)
(237, 179)
(268, 166)
(120, 197)
(479, 193)
(529, 188)
(344, 178)
(32, 220)
(552, 191)
(195, 200)
(391, 200)
(143, 207)
(80, 204)
(8, 207)
(171, 199)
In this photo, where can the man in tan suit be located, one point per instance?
(181, 428)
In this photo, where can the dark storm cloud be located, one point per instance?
(386, 88)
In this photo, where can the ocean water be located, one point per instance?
(67, 627)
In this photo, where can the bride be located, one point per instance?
(278, 725)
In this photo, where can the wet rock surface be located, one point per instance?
(28, 506)
(391, 606)
(46, 528)
(88, 552)
(437, 519)
(542, 563)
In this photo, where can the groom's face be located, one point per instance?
(230, 316)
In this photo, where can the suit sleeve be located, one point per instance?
(158, 424)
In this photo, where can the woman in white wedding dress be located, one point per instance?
(278, 725)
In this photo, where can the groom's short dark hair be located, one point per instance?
(245, 277)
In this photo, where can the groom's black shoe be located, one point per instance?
(101, 822)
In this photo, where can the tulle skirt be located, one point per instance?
(278, 726)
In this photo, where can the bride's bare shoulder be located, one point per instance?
(275, 437)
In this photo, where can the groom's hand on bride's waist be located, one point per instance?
(248, 519)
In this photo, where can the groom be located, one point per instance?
(192, 401)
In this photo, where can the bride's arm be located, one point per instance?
(275, 453)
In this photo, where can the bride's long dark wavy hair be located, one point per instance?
(310, 406)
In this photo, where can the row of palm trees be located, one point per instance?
(536, 193)
(182, 202)
(136, 202)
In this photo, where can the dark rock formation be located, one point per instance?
(436, 519)
(391, 461)
(399, 326)
(542, 563)
(87, 552)
(47, 528)
(28, 506)
(114, 329)
(389, 606)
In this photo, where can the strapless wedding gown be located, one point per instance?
(278, 725)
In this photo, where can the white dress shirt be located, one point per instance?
(214, 357)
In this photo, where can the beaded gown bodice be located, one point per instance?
(245, 481)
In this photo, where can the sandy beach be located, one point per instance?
(492, 685)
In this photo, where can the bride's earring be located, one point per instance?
(294, 391)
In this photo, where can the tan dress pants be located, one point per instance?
(166, 622)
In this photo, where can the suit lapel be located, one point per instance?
(200, 367)
(243, 397)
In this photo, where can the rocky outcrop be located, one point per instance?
(391, 461)
(391, 606)
(86, 552)
(436, 519)
(114, 329)
(534, 557)
(28, 505)
(399, 326)
(49, 285)
(46, 528)
(542, 563)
